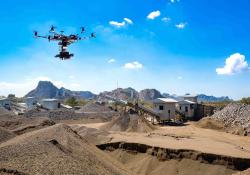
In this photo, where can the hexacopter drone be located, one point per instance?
(64, 40)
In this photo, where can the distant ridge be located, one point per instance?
(46, 89)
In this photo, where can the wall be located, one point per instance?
(165, 112)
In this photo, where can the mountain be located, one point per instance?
(131, 94)
(206, 98)
(46, 89)
(149, 94)
(122, 94)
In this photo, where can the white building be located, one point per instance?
(50, 104)
(165, 107)
(187, 108)
(5, 102)
(191, 97)
(31, 102)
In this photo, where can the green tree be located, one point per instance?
(245, 100)
(72, 101)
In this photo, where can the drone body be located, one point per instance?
(64, 40)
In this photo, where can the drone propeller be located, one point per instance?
(52, 29)
(92, 35)
(82, 29)
(35, 33)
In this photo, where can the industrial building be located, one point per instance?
(50, 104)
(5, 103)
(31, 102)
(165, 107)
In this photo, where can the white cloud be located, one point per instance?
(154, 15)
(133, 65)
(234, 64)
(117, 24)
(174, 1)
(181, 25)
(179, 77)
(129, 21)
(166, 19)
(126, 21)
(111, 60)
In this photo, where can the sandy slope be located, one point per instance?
(189, 137)
(144, 164)
(56, 150)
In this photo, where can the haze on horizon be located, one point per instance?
(175, 46)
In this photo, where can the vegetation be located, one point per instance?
(72, 101)
(245, 100)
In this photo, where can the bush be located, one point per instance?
(245, 100)
(71, 102)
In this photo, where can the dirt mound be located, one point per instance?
(92, 135)
(20, 124)
(5, 112)
(130, 123)
(56, 150)
(210, 123)
(234, 118)
(5, 134)
(95, 107)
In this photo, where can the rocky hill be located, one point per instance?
(123, 94)
(206, 98)
(149, 94)
(46, 89)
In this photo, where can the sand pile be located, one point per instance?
(56, 150)
(5, 134)
(234, 118)
(20, 124)
(5, 112)
(145, 164)
(129, 123)
(92, 135)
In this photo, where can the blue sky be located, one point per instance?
(175, 46)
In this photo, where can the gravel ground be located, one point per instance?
(235, 118)
(56, 150)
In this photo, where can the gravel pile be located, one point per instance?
(5, 134)
(56, 150)
(129, 123)
(235, 117)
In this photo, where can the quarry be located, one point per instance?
(114, 135)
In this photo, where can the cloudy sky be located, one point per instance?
(175, 46)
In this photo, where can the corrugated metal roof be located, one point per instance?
(190, 95)
(165, 100)
(186, 102)
(52, 99)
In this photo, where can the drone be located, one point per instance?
(64, 40)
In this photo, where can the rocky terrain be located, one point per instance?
(149, 94)
(55, 150)
(234, 118)
(46, 89)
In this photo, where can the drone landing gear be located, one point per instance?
(64, 55)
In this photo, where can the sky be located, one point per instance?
(175, 46)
